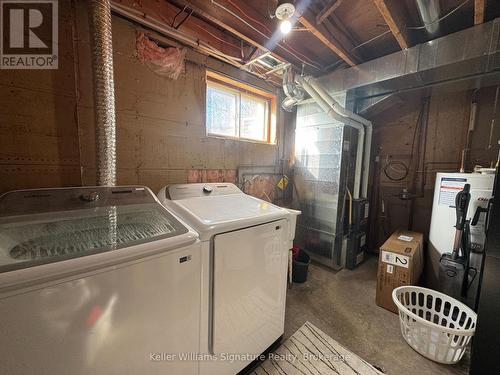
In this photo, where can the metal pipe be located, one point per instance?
(349, 116)
(470, 129)
(493, 119)
(104, 96)
(288, 103)
(429, 12)
(331, 109)
(161, 27)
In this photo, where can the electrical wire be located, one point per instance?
(177, 15)
(269, 14)
(303, 60)
(183, 20)
(267, 29)
(248, 16)
(417, 128)
(371, 40)
(439, 19)
(164, 28)
(390, 165)
(215, 36)
(414, 27)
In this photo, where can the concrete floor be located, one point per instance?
(342, 304)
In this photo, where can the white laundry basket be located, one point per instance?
(435, 325)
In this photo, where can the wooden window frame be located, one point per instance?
(244, 89)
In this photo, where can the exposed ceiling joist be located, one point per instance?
(479, 6)
(394, 20)
(223, 14)
(167, 13)
(327, 10)
(205, 14)
(328, 41)
(336, 27)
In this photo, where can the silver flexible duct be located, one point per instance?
(104, 96)
(429, 11)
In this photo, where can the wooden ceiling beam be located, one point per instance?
(330, 42)
(393, 18)
(327, 10)
(196, 28)
(265, 38)
(479, 7)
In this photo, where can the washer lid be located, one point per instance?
(223, 213)
(52, 225)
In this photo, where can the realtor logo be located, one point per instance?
(29, 32)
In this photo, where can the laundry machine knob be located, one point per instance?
(207, 189)
(90, 197)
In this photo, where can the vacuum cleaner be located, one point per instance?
(455, 273)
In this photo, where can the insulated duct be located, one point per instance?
(429, 13)
(104, 96)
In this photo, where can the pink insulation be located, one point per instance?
(166, 62)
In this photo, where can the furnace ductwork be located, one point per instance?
(333, 109)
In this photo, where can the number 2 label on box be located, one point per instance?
(396, 259)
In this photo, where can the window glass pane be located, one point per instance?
(221, 112)
(253, 118)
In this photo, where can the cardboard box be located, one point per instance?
(401, 260)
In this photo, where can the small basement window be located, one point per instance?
(239, 111)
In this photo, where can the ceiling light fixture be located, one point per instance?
(285, 26)
(284, 11)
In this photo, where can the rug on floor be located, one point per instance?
(310, 351)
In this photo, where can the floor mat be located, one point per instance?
(309, 351)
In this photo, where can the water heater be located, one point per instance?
(442, 231)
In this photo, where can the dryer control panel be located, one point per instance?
(184, 191)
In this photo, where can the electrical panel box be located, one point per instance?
(360, 212)
(356, 248)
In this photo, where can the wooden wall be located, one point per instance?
(448, 119)
(47, 119)
(38, 125)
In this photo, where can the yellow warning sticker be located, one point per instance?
(283, 182)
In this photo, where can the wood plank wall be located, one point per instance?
(448, 120)
(47, 119)
(38, 127)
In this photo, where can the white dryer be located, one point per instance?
(245, 244)
(96, 280)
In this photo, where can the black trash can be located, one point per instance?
(300, 266)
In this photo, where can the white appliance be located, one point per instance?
(442, 230)
(245, 246)
(97, 280)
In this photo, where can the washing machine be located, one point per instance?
(96, 280)
(245, 247)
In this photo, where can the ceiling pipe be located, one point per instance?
(364, 127)
(466, 59)
(104, 95)
(429, 11)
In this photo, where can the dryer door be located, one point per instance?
(249, 289)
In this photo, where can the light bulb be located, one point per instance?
(285, 26)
